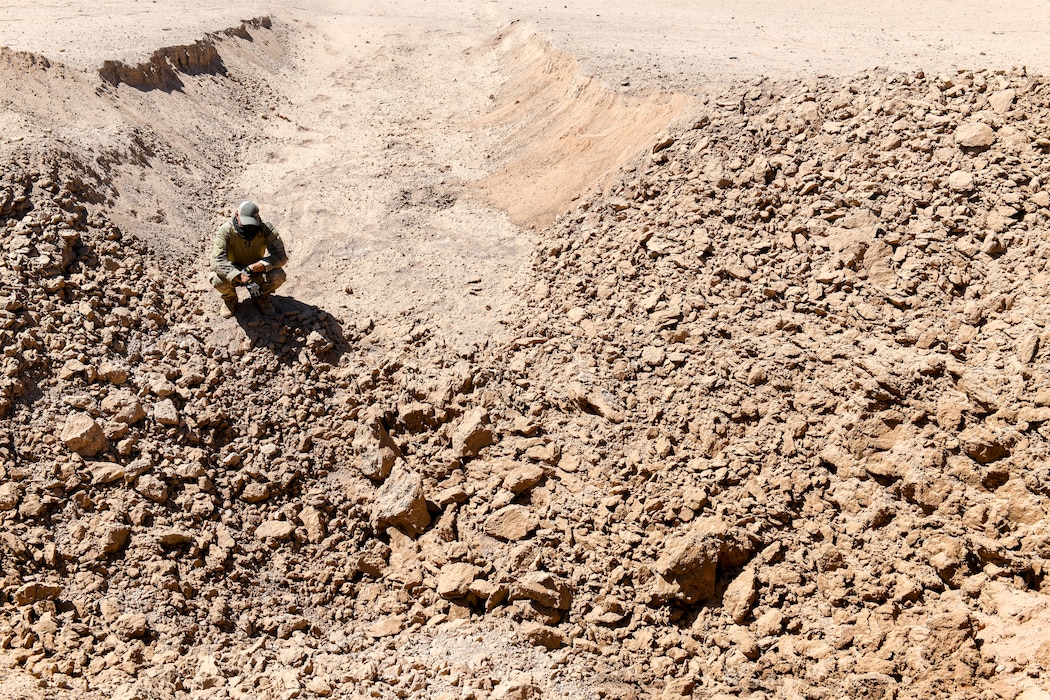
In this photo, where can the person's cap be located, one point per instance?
(248, 213)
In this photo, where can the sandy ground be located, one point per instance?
(669, 40)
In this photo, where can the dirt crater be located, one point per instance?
(762, 415)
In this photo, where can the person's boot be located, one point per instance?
(264, 304)
(229, 307)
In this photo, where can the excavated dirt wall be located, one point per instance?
(770, 424)
(561, 131)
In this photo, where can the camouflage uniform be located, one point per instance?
(229, 250)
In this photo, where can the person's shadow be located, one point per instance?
(293, 328)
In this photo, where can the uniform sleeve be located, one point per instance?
(276, 254)
(220, 260)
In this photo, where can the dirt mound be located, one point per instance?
(769, 423)
(819, 314)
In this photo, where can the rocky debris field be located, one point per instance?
(771, 425)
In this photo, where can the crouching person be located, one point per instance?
(247, 252)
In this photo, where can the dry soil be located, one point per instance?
(671, 351)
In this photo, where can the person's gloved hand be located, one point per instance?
(245, 276)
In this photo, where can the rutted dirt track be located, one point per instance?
(732, 391)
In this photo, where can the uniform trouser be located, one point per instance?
(268, 282)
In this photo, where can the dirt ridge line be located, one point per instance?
(564, 130)
(160, 72)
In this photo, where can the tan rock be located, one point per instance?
(416, 416)
(125, 407)
(209, 672)
(513, 522)
(313, 521)
(688, 568)
(275, 529)
(83, 435)
(131, 625)
(678, 688)
(73, 367)
(256, 492)
(319, 686)
(739, 596)
(1034, 414)
(386, 627)
(1027, 348)
(1001, 100)
(757, 375)
(1023, 506)
(165, 413)
(948, 556)
(113, 537)
(10, 494)
(543, 588)
(473, 433)
(654, 356)
(110, 609)
(492, 593)
(769, 623)
(982, 445)
(161, 386)
(399, 503)
(376, 450)
(950, 409)
(548, 453)
(974, 135)
(455, 580)
(152, 487)
(113, 373)
(890, 142)
(521, 687)
(32, 592)
(453, 494)
(523, 478)
(211, 416)
(106, 472)
(960, 181)
(597, 401)
(173, 537)
(745, 641)
(33, 506)
(543, 635)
